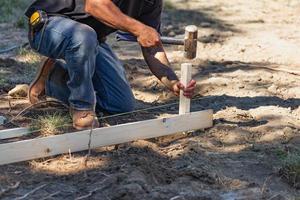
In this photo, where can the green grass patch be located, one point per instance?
(12, 11)
(169, 5)
(3, 80)
(281, 154)
(290, 167)
(51, 124)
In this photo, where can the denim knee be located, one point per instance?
(85, 41)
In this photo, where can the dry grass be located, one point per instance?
(51, 124)
(68, 164)
(29, 58)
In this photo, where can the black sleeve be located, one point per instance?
(151, 13)
(53, 6)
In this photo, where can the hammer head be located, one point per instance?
(190, 42)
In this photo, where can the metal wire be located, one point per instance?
(103, 117)
(23, 112)
(13, 48)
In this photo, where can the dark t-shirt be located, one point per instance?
(146, 11)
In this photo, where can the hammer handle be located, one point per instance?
(173, 41)
(164, 40)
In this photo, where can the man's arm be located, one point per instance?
(108, 13)
(159, 65)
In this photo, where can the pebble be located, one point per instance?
(172, 34)
(19, 91)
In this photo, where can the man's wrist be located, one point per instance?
(170, 84)
(136, 28)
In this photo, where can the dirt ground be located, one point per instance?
(247, 72)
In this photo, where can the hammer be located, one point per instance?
(189, 42)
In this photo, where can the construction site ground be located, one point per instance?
(247, 72)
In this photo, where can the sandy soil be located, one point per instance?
(247, 71)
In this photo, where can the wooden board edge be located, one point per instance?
(78, 141)
(13, 133)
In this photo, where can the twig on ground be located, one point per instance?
(107, 197)
(104, 174)
(91, 192)
(23, 112)
(70, 154)
(177, 197)
(31, 192)
(276, 195)
(4, 191)
(10, 106)
(263, 189)
(51, 195)
(42, 162)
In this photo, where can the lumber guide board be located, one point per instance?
(78, 141)
(13, 133)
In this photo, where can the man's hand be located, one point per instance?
(108, 13)
(188, 91)
(148, 37)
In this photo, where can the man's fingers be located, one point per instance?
(180, 86)
(191, 89)
(157, 42)
(192, 83)
(188, 95)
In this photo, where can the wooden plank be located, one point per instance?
(186, 77)
(13, 133)
(78, 141)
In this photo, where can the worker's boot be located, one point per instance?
(36, 90)
(84, 119)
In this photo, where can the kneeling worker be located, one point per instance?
(81, 69)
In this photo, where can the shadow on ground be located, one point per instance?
(143, 170)
(174, 20)
(14, 72)
(213, 67)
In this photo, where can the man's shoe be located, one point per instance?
(84, 119)
(36, 90)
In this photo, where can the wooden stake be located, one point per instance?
(78, 141)
(186, 77)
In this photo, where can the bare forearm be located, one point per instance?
(107, 12)
(159, 65)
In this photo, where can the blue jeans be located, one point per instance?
(86, 72)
